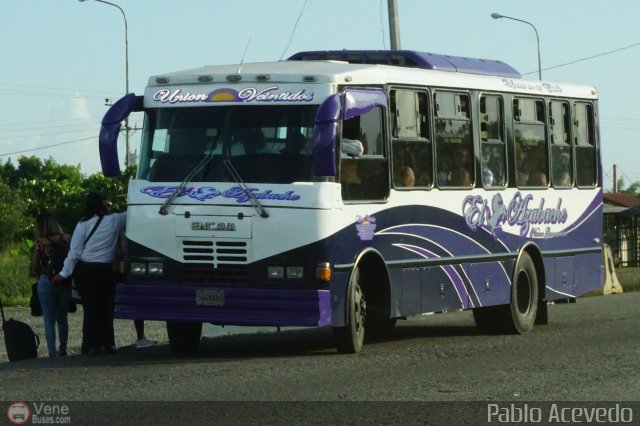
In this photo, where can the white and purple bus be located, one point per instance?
(353, 188)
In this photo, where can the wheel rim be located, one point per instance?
(360, 309)
(523, 292)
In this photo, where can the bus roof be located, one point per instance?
(332, 72)
(413, 59)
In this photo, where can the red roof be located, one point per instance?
(620, 199)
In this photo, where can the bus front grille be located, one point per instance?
(215, 261)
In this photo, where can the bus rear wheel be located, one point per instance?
(524, 296)
(184, 337)
(520, 315)
(350, 338)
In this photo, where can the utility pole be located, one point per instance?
(394, 24)
(615, 178)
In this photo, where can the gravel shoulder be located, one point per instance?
(125, 332)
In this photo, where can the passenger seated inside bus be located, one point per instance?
(350, 180)
(295, 143)
(405, 177)
(491, 167)
(564, 179)
(231, 145)
(461, 168)
(538, 179)
(254, 142)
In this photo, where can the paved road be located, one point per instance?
(590, 351)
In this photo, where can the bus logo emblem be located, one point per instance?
(366, 227)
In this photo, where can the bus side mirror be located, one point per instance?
(110, 129)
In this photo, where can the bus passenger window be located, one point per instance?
(454, 142)
(532, 159)
(561, 158)
(492, 141)
(584, 144)
(411, 144)
(364, 171)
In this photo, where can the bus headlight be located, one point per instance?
(155, 268)
(138, 268)
(281, 272)
(295, 272)
(275, 272)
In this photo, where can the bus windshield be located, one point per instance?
(267, 144)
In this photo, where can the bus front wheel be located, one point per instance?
(350, 338)
(184, 337)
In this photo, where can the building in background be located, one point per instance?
(621, 212)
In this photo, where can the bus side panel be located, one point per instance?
(588, 273)
(563, 275)
(443, 288)
(490, 283)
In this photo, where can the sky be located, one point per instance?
(60, 59)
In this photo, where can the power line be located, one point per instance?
(384, 37)
(31, 135)
(47, 146)
(53, 88)
(50, 95)
(295, 26)
(585, 59)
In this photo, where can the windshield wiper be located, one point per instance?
(165, 206)
(254, 201)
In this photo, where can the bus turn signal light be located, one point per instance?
(323, 272)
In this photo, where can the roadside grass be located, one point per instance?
(629, 278)
(15, 284)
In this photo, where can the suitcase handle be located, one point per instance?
(2, 311)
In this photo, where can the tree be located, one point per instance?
(12, 218)
(632, 189)
(50, 187)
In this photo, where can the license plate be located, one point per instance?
(210, 297)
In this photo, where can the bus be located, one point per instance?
(350, 189)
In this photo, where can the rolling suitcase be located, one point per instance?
(19, 338)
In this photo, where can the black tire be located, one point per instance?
(520, 315)
(524, 295)
(184, 337)
(350, 338)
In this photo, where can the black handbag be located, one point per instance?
(36, 306)
(34, 302)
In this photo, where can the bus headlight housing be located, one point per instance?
(289, 272)
(275, 272)
(295, 272)
(138, 268)
(155, 268)
(143, 268)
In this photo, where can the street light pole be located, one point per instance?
(498, 16)
(126, 76)
(394, 24)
